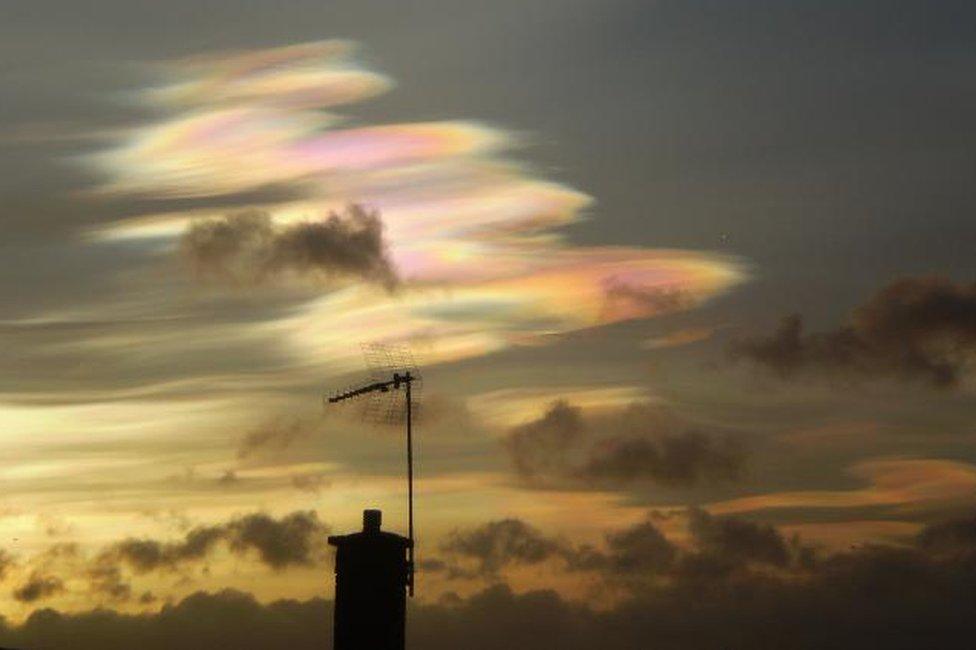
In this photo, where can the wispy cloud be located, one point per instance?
(891, 483)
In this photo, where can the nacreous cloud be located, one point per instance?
(472, 234)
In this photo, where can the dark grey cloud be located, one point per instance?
(279, 542)
(680, 459)
(37, 587)
(920, 329)
(249, 249)
(501, 543)
(738, 539)
(294, 539)
(538, 447)
(632, 553)
(636, 443)
(105, 579)
(144, 555)
(640, 549)
(225, 619)
(952, 537)
(631, 558)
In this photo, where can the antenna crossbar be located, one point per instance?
(383, 386)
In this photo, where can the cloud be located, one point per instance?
(921, 328)
(639, 550)
(891, 483)
(229, 477)
(249, 249)
(538, 446)
(310, 482)
(955, 536)
(223, 619)
(275, 435)
(54, 526)
(145, 555)
(501, 543)
(474, 234)
(681, 459)
(7, 562)
(316, 74)
(678, 338)
(631, 554)
(738, 539)
(105, 578)
(898, 597)
(279, 543)
(633, 559)
(618, 446)
(38, 587)
(296, 539)
(623, 300)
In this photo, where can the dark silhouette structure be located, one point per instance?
(372, 574)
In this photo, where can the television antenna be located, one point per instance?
(393, 374)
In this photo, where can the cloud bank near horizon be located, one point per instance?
(738, 584)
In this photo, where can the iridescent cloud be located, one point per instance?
(315, 75)
(473, 234)
(892, 483)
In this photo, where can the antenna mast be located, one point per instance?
(392, 377)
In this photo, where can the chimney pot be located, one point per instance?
(372, 519)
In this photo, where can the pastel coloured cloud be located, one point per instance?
(316, 75)
(474, 234)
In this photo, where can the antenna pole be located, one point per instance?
(410, 484)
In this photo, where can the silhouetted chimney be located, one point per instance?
(370, 591)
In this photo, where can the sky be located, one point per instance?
(690, 286)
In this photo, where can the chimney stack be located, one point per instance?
(370, 592)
